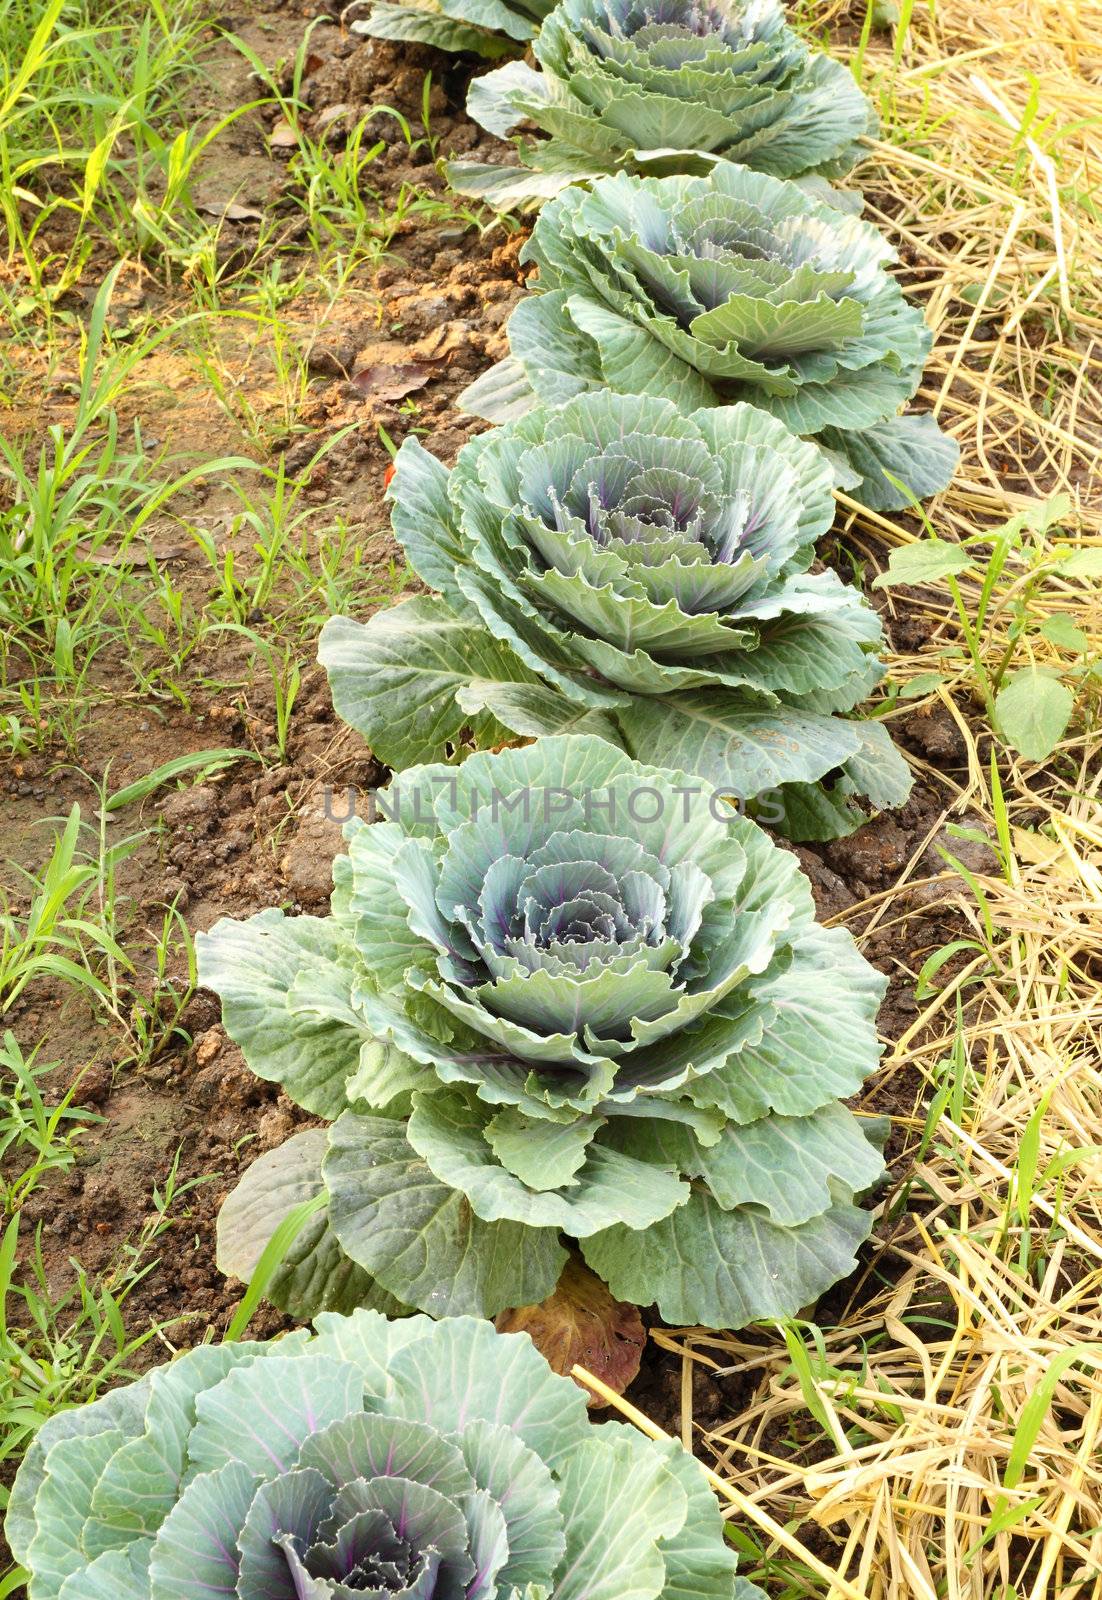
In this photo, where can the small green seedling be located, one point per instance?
(1029, 702)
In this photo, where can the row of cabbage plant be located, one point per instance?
(571, 999)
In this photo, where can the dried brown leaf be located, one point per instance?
(581, 1324)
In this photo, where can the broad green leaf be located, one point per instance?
(1033, 710)
(532, 709)
(613, 1548)
(424, 520)
(425, 25)
(315, 1274)
(419, 1237)
(805, 812)
(141, 1483)
(367, 1340)
(543, 1155)
(121, 1410)
(877, 769)
(394, 678)
(464, 1372)
(785, 1165)
(62, 1507)
(819, 1042)
(447, 1129)
(521, 1484)
(700, 1564)
(500, 394)
(740, 746)
(196, 1549)
(253, 967)
(925, 561)
(237, 1422)
(115, 1575)
(910, 449)
(726, 1269)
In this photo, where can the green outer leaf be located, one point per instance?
(238, 1423)
(878, 769)
(314, 1274)
(700, 1564)
(62, 1507)
(394, 678)
(419, 1238)
(725, 1269)
(142, 1482)
(912, 449)
(613, 1549)
(806, 812)
(122, 1409)
(115, 1575)
(368, 1341)
(785, 1165)
(424, 520)
(196, 1549)
(543, 1155)
(446, 1129)
(522, 1486)
(502, 393)
(464, 1371)
(252, 966)
(421, 26)
(532, 709)
(820, 1037)
(740, 746)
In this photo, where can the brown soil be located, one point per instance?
(257, 836)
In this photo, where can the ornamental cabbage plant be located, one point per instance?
(735, 286)
(490, 28)
(613, 566)
(666, 85)
(415, 1459)
(562, 996)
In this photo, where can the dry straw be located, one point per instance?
(944, 1441)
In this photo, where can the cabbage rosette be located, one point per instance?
(665, 86)
(562, 996)
(731, 287)
(411, 1460)
(613, 566)
(489, 28)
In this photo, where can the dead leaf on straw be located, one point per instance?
(582, 1325)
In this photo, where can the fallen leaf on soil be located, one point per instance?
(387, 382)
(330, 114)
(232, 212)
(582, 1324)
(283, 136)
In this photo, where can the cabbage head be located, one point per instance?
(735, 286)
(412, 1460)
(489, 28)
(616, 567)
(562, 997)
(670, 86)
